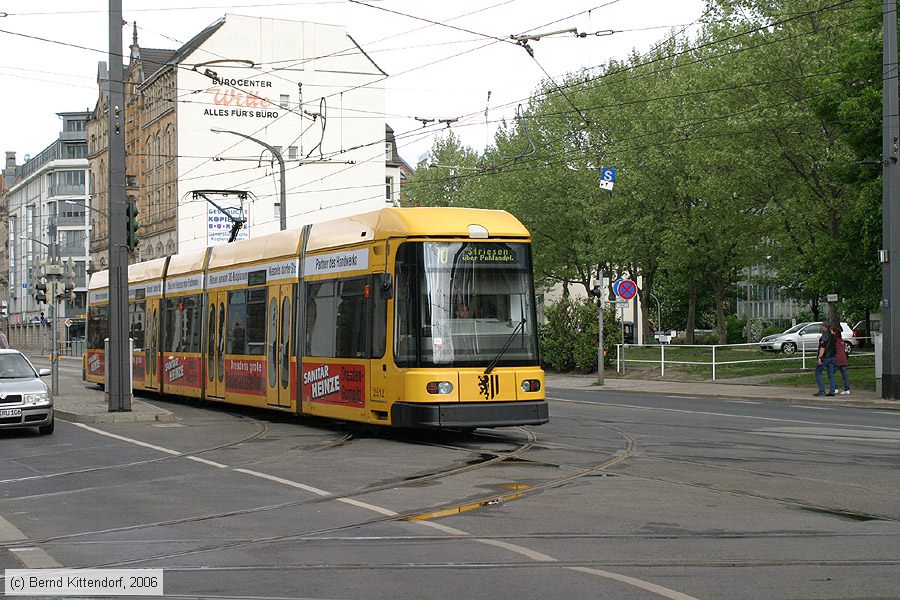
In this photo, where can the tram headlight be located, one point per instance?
(439, 387)
(531, 385)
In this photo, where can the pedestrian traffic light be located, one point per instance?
(131, 226)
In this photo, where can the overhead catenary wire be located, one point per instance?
(738, 34)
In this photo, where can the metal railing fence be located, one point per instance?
(803, 355)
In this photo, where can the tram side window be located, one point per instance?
(339, 319)
(136, 320)
(320, 319)
(183, 324)
(98, 326)
(352, 324)
(247, 322)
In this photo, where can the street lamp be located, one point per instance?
(277, 154)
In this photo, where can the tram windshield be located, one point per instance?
(460, 303)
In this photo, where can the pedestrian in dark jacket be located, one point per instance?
(840, 359)
(825, 361)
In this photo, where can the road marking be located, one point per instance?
(741, 402)
(810, 407)
(9, 533)
(122, 438)
(715, 414)
(283, 481)
(893, 413)
(207, 462)
(35, 558)
(532, 554)
(32, 558)
(685, 397)
(644, 585)
(535, 556)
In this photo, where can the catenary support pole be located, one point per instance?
(118, 383)
(890, 383)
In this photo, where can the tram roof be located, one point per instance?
(189, 262)
(275, 245)
(99, 280)
(419, 221)
(145, 271)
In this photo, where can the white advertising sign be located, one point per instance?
(219, 224)
(336, 262)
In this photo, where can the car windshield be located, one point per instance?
(15, 366)
(796, 328)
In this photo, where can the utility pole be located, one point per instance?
(890, 255)
(118, 382)
(597, 292)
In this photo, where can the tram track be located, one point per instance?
(410, 481)
(419, 514)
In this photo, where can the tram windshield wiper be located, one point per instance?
(503, 350)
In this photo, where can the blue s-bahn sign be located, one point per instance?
(607, 178)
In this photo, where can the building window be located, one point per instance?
(388, 151)
(76, 151)
(388, 188)
(284, 100)
(292, 153)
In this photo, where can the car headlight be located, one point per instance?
(37, 399)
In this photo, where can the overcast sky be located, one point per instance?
(435, 71)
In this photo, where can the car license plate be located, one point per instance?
(10, 412)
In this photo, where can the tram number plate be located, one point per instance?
(10, 412)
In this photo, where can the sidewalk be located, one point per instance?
(86, 403)
(714, 389)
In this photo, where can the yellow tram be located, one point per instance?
(408, 317)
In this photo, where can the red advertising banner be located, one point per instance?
(95, 363)
(137, 367)
(334, 384)
(182, 371)
(245, 376)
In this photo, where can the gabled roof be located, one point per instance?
(178, 56)
(154, 59)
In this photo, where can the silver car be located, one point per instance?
(803, 336)
(24, 399)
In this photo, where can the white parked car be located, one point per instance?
(803, 336)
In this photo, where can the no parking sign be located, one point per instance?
(625, 289)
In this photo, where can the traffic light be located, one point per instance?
(69, 279)
(40, 287)
(131, 226)
(40, 294)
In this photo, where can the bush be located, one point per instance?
(569, 335)
(735, 329)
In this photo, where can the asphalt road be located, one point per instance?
(620, 496)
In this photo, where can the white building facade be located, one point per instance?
(305, 89)
(51, 193)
